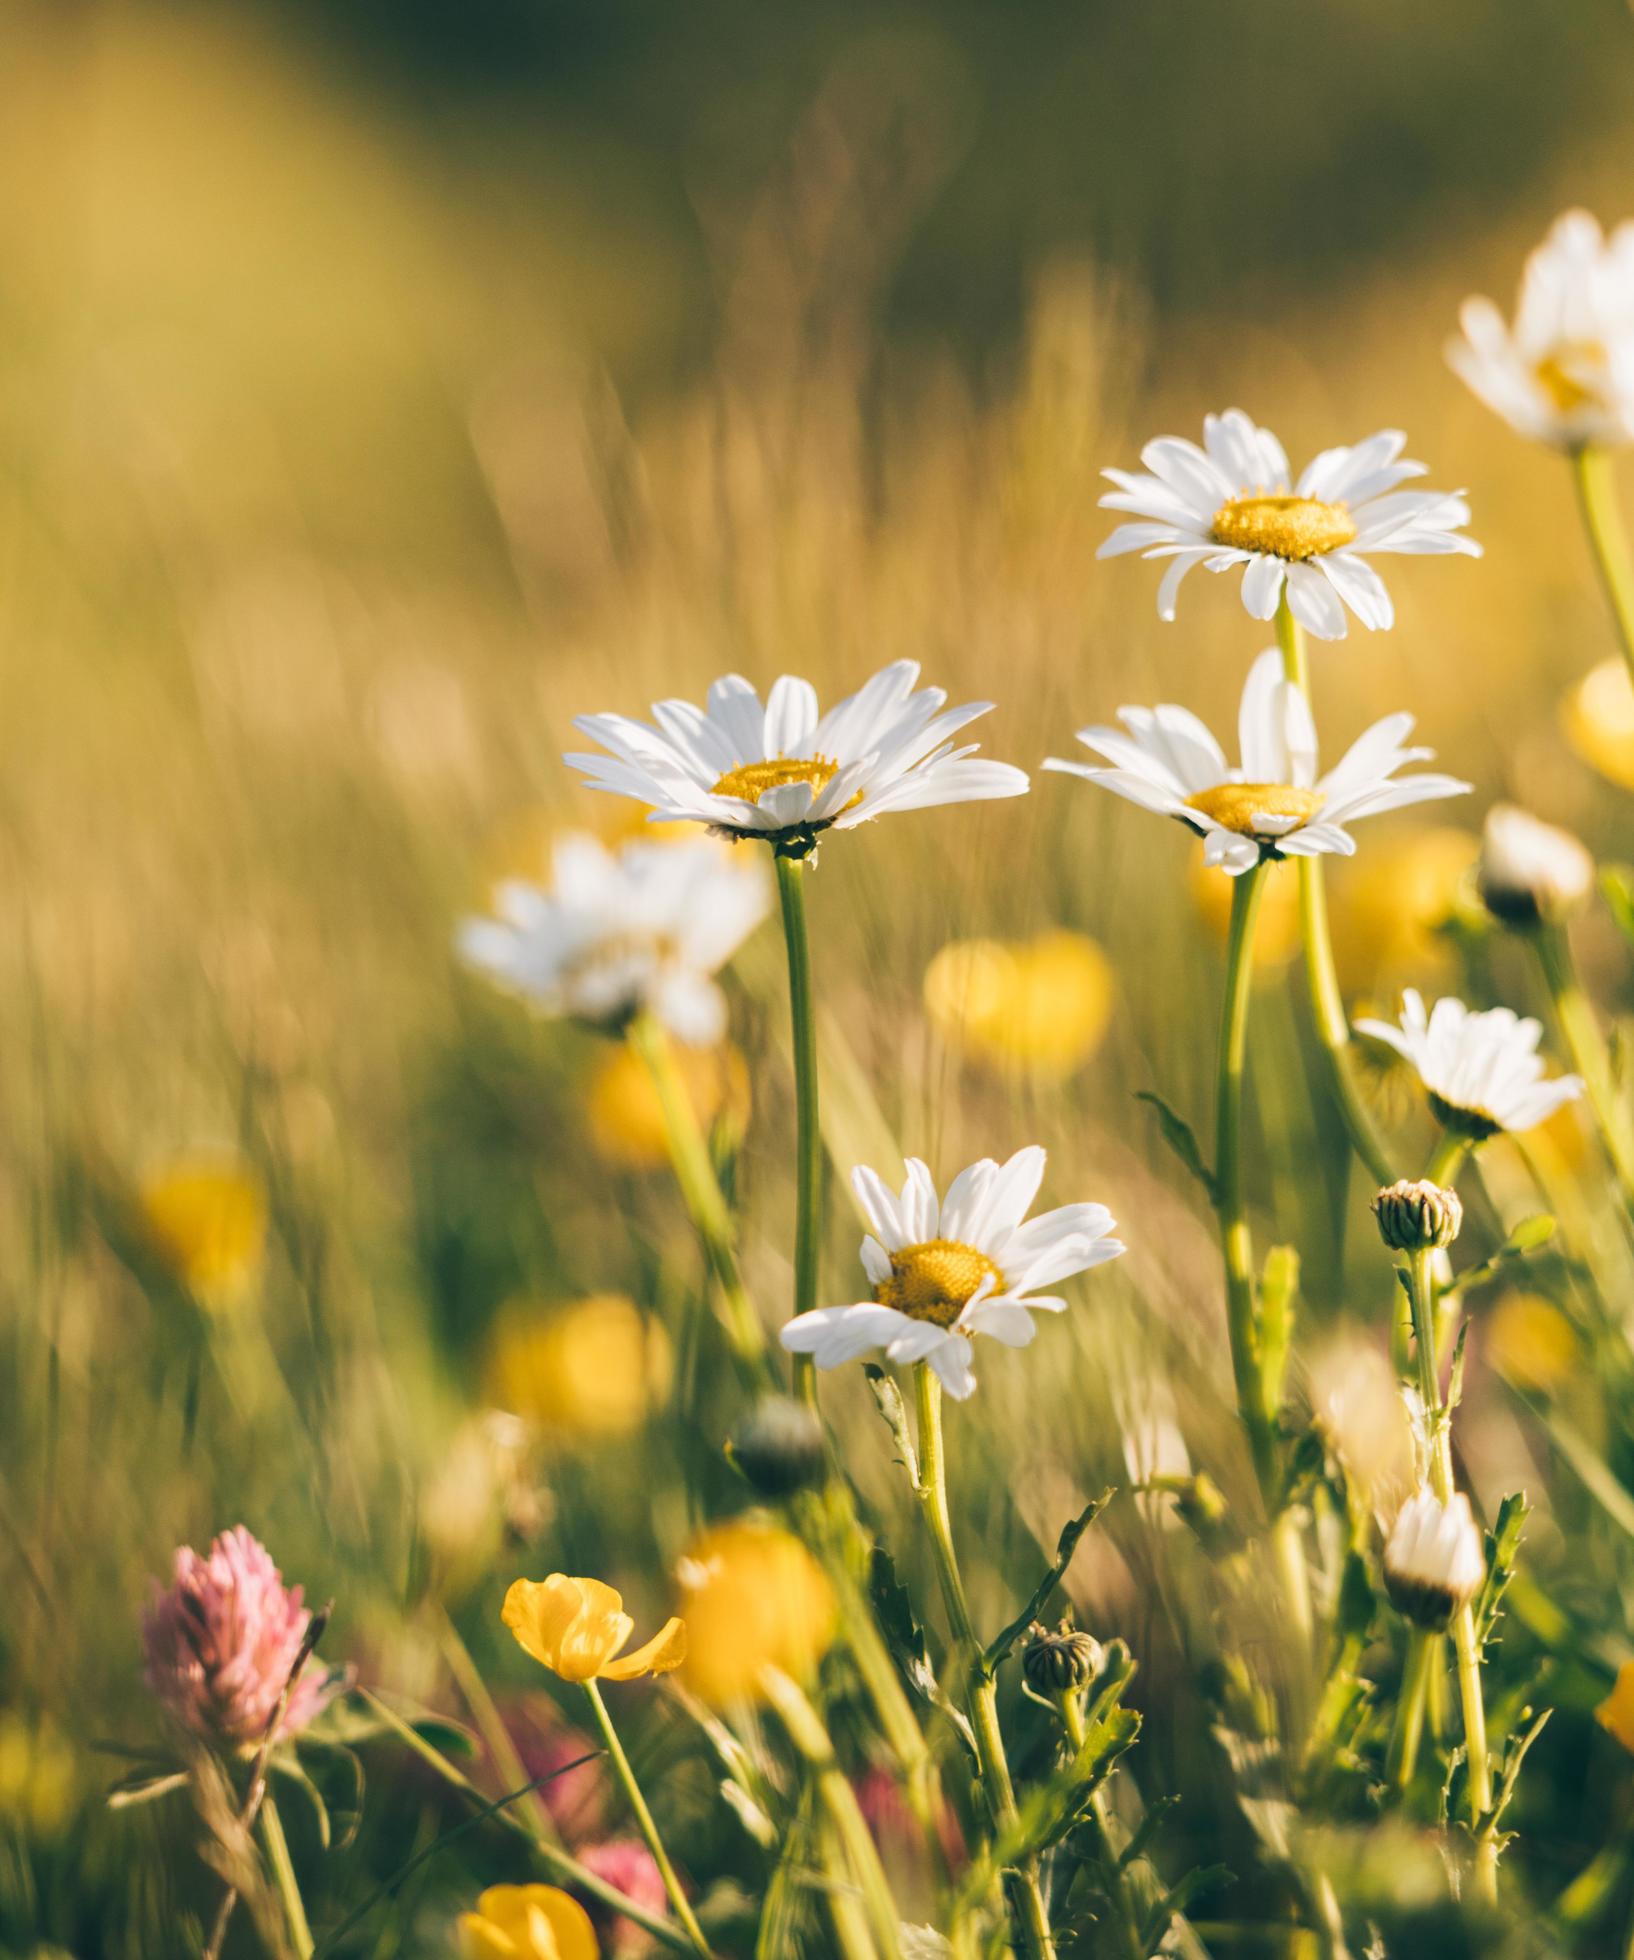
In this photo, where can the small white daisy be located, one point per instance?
(1275, 804)
(1232, 502)
(619, 931)
(786, 774)
(1434, 1561)
(942, 1272)
(1482, 1071)
(1530, 872)
(1564, 372)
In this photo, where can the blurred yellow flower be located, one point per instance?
(754, 1597)
(575, 1627)
(1387, 907)
(1530, 1341)
(206, 1218)
(1597, 719)
(1276, 934)
(627, 1119)
(1616, 1713)
(597, 1367)
(527, 1922)
(1033, 1004)
(37, 1776)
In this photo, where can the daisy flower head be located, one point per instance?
(1481, 1071)
(1434, 1561)
(618, 931)
(786, 773)
(946, 1269)
(1273, 805)
(1563, 371)
(1234, 502)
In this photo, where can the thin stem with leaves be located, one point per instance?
(808, 1145)
(1603, 522)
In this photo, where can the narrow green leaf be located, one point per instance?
(1177, 1134)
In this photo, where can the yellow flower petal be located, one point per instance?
(595, 1368)
(754, 1598)
(529, 1922)
(573, 1626)
(1616, 1713)
(1039, 1005)
(666, 1649)
(626, 1118)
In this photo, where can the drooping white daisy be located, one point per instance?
(785, 773)
(1481, 1071)
(1563, 373)
(1233, 502)
(1434, 1561)
(1530, 873)
(619, 931)
(944, 1271)
(1275, 804)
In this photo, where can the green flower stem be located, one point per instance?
(1588, 1051)
(808, 1139)
(491, 1724)
(276, 1846)
(1117, 1876)
(1421, 1291)
(644, 1818)
(1603, 521)
(1408, 1731)
(1322, 977)
(700, 1190)
(1026, 1894)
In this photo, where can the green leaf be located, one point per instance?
(1502, 1549)
(349, 1721)
(1177, 1134)
(1529, 1236)
(893, 1608)
(891, 1407)
(1617, 888)
(1279, 1297)
(1065, 1546)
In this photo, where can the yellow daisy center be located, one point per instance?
(751, 780)
(1558, 373)
(1283, 527)
(937, 1280)
(1236, 805)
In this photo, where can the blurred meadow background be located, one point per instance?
(383, 385)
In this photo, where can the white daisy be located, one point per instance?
(942, 1272)
(1482, 1072)
(620, 931)
(1275, 805)
(783, 772)
(1564, 372)
(1232, 502)
(1530, 872)
(1434, 1561)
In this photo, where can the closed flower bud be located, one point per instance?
(1417, 1216)
(778, 1447)
(1529, 872)
(1062, 1662)
(1434, 1563)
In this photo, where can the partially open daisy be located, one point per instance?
(1233, 502)
(945, 1270)
(619, 931)
(785, 773)
(1275, 805)
(1481, 1071)
(1563, 372)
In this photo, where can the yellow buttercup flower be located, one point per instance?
(1597, 718)
(1034, 1004)
(527, 1922)
(1276, 931)
(206, 1218)
(576, 1627)
(754, 1597)
(1616, 1713)
(37, 1776)
(626, 1118)
(597, 1367)
(1387, 909)
(1530, 1341)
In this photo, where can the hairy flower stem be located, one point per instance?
(276, 1846)
(808, 1144)
(1421, 1292)
(1583, 1038)
(1327, 1001)
(1603, 521)
(644, 1818)
(1408, 1730)
(701, 1192)
(1026, 1894)
(1117, 1875)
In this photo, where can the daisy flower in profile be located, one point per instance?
(785, 773)
(617, 932)
(1233, 502)
(1275, 805)
(943, 1270)
(1563, 372)
(1481, 1071)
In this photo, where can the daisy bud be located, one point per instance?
(1417, 1216)
(1434, 1563)
(778, 1447)
(1062, 1662)
(1529, 872)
